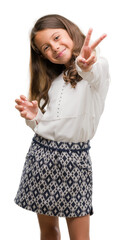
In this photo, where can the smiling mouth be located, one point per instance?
(61, 53)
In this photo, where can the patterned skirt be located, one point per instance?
(56, 179)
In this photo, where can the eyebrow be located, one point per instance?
(50, 37)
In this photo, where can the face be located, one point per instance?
(55, 45)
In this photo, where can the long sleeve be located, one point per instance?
(98, 77)
(33, 123)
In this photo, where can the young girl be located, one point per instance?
(68, 87)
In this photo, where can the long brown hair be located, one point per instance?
(42, 71)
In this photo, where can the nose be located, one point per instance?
(55, 47)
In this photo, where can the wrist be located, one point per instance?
(37, 117)
(86, 69)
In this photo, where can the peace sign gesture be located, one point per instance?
(87, 56)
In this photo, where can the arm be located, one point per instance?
(93, 68)
(98, 76)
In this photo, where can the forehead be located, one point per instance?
(46, 34)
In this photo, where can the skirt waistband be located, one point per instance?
(61, 146)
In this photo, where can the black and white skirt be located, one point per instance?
(56, 179)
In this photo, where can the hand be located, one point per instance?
(87, 56)
(28, 110)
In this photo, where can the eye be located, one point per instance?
(57, 37)
(46, 48)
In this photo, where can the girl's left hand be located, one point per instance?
(87, 56)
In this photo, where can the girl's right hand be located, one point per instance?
(87, 56)
(28, 110)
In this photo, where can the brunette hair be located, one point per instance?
(42, 71)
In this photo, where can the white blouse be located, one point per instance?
(73, 114)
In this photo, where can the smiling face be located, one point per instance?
(55, 45)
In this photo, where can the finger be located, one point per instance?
(82, 60)
(87, 61)
(91, 59)
(88, 37)
(21, 102)
(24, 102)
(23, 114)
(18, 101)
(19, 107)
(35, 103)
(90, 64)
(82, 63)
(86, 65)
(23, 97)
(96, 43)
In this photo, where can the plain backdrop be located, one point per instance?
(16, 20)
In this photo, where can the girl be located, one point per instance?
(68, 87)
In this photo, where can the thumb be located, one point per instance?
(35, 103)
(80, 60)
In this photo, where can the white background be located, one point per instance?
(16, 20)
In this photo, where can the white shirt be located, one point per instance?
(73, 114)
